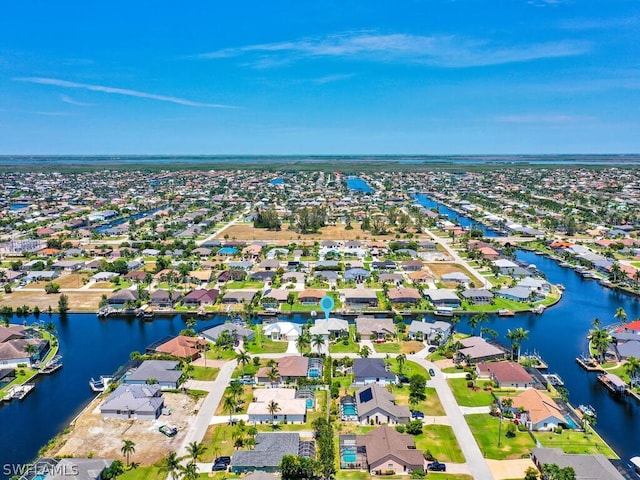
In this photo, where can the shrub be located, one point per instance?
(400, 428)
(470, 384)
(414, 427)
(418, 474)
(559, 429)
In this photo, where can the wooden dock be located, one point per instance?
(589, 364)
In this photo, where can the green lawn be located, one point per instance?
(430, 406)
(218, 442)
(351, 347)
(466, 396)
(352, 475)
(207, 374)
(262, 344)
(245, 284)
(217, 353)
(409, 368)
(144, 473)
(387, 347)
(575, 442)
(441, 442)
(486, 430)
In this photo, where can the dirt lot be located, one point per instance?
(438, 269)
(85, 300)
(92, 434)
(332, 232)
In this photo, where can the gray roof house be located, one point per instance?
(239, 296)
(371, 370)
(457, 277)
(142, 402)
(586, 467)
(71, 468)
(163, 371)
(478, 296)
(375, 403)
(357, 274)
(238, 330)
(435, 333)
(520, 294)
(268, 452)
(375, 328)
(442, 297)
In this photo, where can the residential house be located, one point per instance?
(236, 330)
(586, 467)
(330, 328)
(384, 265)
(435, 333)
(297, 278)
(200, 277)
(238, 296)
(263, 276)
(404, 296)
(121, 297)
(234, 275)
(356, 274)
(164, 299)
(519, 294)
(164, 373)
(183, 347)
(200, 298)
(421, 277)
(71, 468)
(290, 369)
(286, 331)
(412, 265)
(267, 453)
(291, 409)
(273, 298)
(541, 412)
(393, 278)
(68, 265)
(104, 276)
(136, 402)
(372, 370)
(269, 265)
(442, 297)
(506, 374)
(358, 298)
(455, 277)
(14, 341)
(374, 329)
(477, 349)
(478, 296)
(311, 296)
(376, 405)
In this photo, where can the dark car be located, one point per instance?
(437, 467)
(219, 467)
(403, 379)
(431, 372)
(225, 459)
(415, 414)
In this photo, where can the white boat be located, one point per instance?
(503, 312)
(444, 312)
(560, 287)
(587, 410)
(101, 384)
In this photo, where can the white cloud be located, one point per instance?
(119, 91)
(437, 50)
(71, 101)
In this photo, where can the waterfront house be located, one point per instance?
(238, 331)
(290, 369)
(374, 329)
(238, 296)
(478, 296)
(330, 328)
(358, 298)
(538, 285)
(541, 412)
(442, 297)
(164, 299)
(409, 296)
(506, 374)
(376, 405)
(477, 349)
(183, 347)
(199, 298)
(267, 453)
(70, 468)
(371, 370)
(7, 375)
(286, 331)
(585, 466)
(310, 296)
(274, 297)
(134, 402)
(122, 297)
(435, 333)
(164, 373)
(519, 294)
(292, 409)
(13, 342)
(383, 451)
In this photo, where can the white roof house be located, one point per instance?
(282, 331)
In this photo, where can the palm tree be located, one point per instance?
(317, 341)
(364, 351)
(600, 340)
(476, 320)
(517, 336)
(632, 367)
(302, 342)
(30, 349)
(243, 358)
(596, 322)
(171, 465)
(196, 449)
(621, 315)
(490, 332)
(190, 471)
(401, 359)
(273, 374)
(455, 320)
(229, 405)
(128, 447)
(273, 408)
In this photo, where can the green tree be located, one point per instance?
(365, 351)
(621, 315)
(417, 385)
(229, 405)
(63, 304)
(128, 448)
(171, 465)
(531, 474)
(317, 341)
(243, 358)
(113, 471)
(273, 408)
(196, 450)
(190, 471)
(401, 359)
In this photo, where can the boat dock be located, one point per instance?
(18, 391)
(52, 365)
(554, 379)
(613, 383)
(535, 360)
(589, 364)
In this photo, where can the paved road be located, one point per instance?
(475, 462)
(199, 426)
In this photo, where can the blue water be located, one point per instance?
(309, 403)
(18, 206)
(277, 181)
(348, 454)
(228, 251)
(356, 183)
(462, 220)
(120, 221)
(349, 409)
(314, 373)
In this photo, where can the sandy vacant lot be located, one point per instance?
(85, 300)
(439, 269)
(245, 231)
(92, 434)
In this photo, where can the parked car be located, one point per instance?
(417, 414)
(219, 467)
(437, 467)
(224, 459)
(432, 372)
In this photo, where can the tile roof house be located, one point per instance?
(375, 328)
(290, 368)
(292, 409)
(371, 370)
(13, 341)
(476, 349)
(282, 331)
(183, 347)
(388, 450)
(442, 297)
(239, 296)
(141, 402)
(506, 374)
(164, 372)
(267, 453)
(164, 299)
(435, 333)
(375, 404)
(478, 296)
(586, 467)
(200, 297)
(404, 295)
(118, 299)
(360, 298)
(236, 330)
(541, 411)
(310, 296)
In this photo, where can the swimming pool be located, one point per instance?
(314, 373)
(570, 423)
(228, 251)
(348, 454)
(309, 403)
(349, 409)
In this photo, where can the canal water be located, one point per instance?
(357, 184)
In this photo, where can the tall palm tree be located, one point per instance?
(596, 322)
(196, 449)
(128, 448)
(190, 471)
(302, 342)
(229, 405)
(632, 367)
(30, 349)
(273, 408)
(600, 340)
(171, 465)
(243, 358)
(455, 320)
(517, 336)
(273, 374)
(401, 359)
(473, 321)
(317, 341)
(621, 315)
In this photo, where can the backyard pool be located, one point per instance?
(314, 373)
(309, 402)
(348, 454)
(349, 409)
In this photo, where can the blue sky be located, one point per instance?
(320, 77)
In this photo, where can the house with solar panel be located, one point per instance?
(375, 405)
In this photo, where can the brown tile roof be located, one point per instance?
(505, 372)
(538, 404)
(385, 442)
(182, 347)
